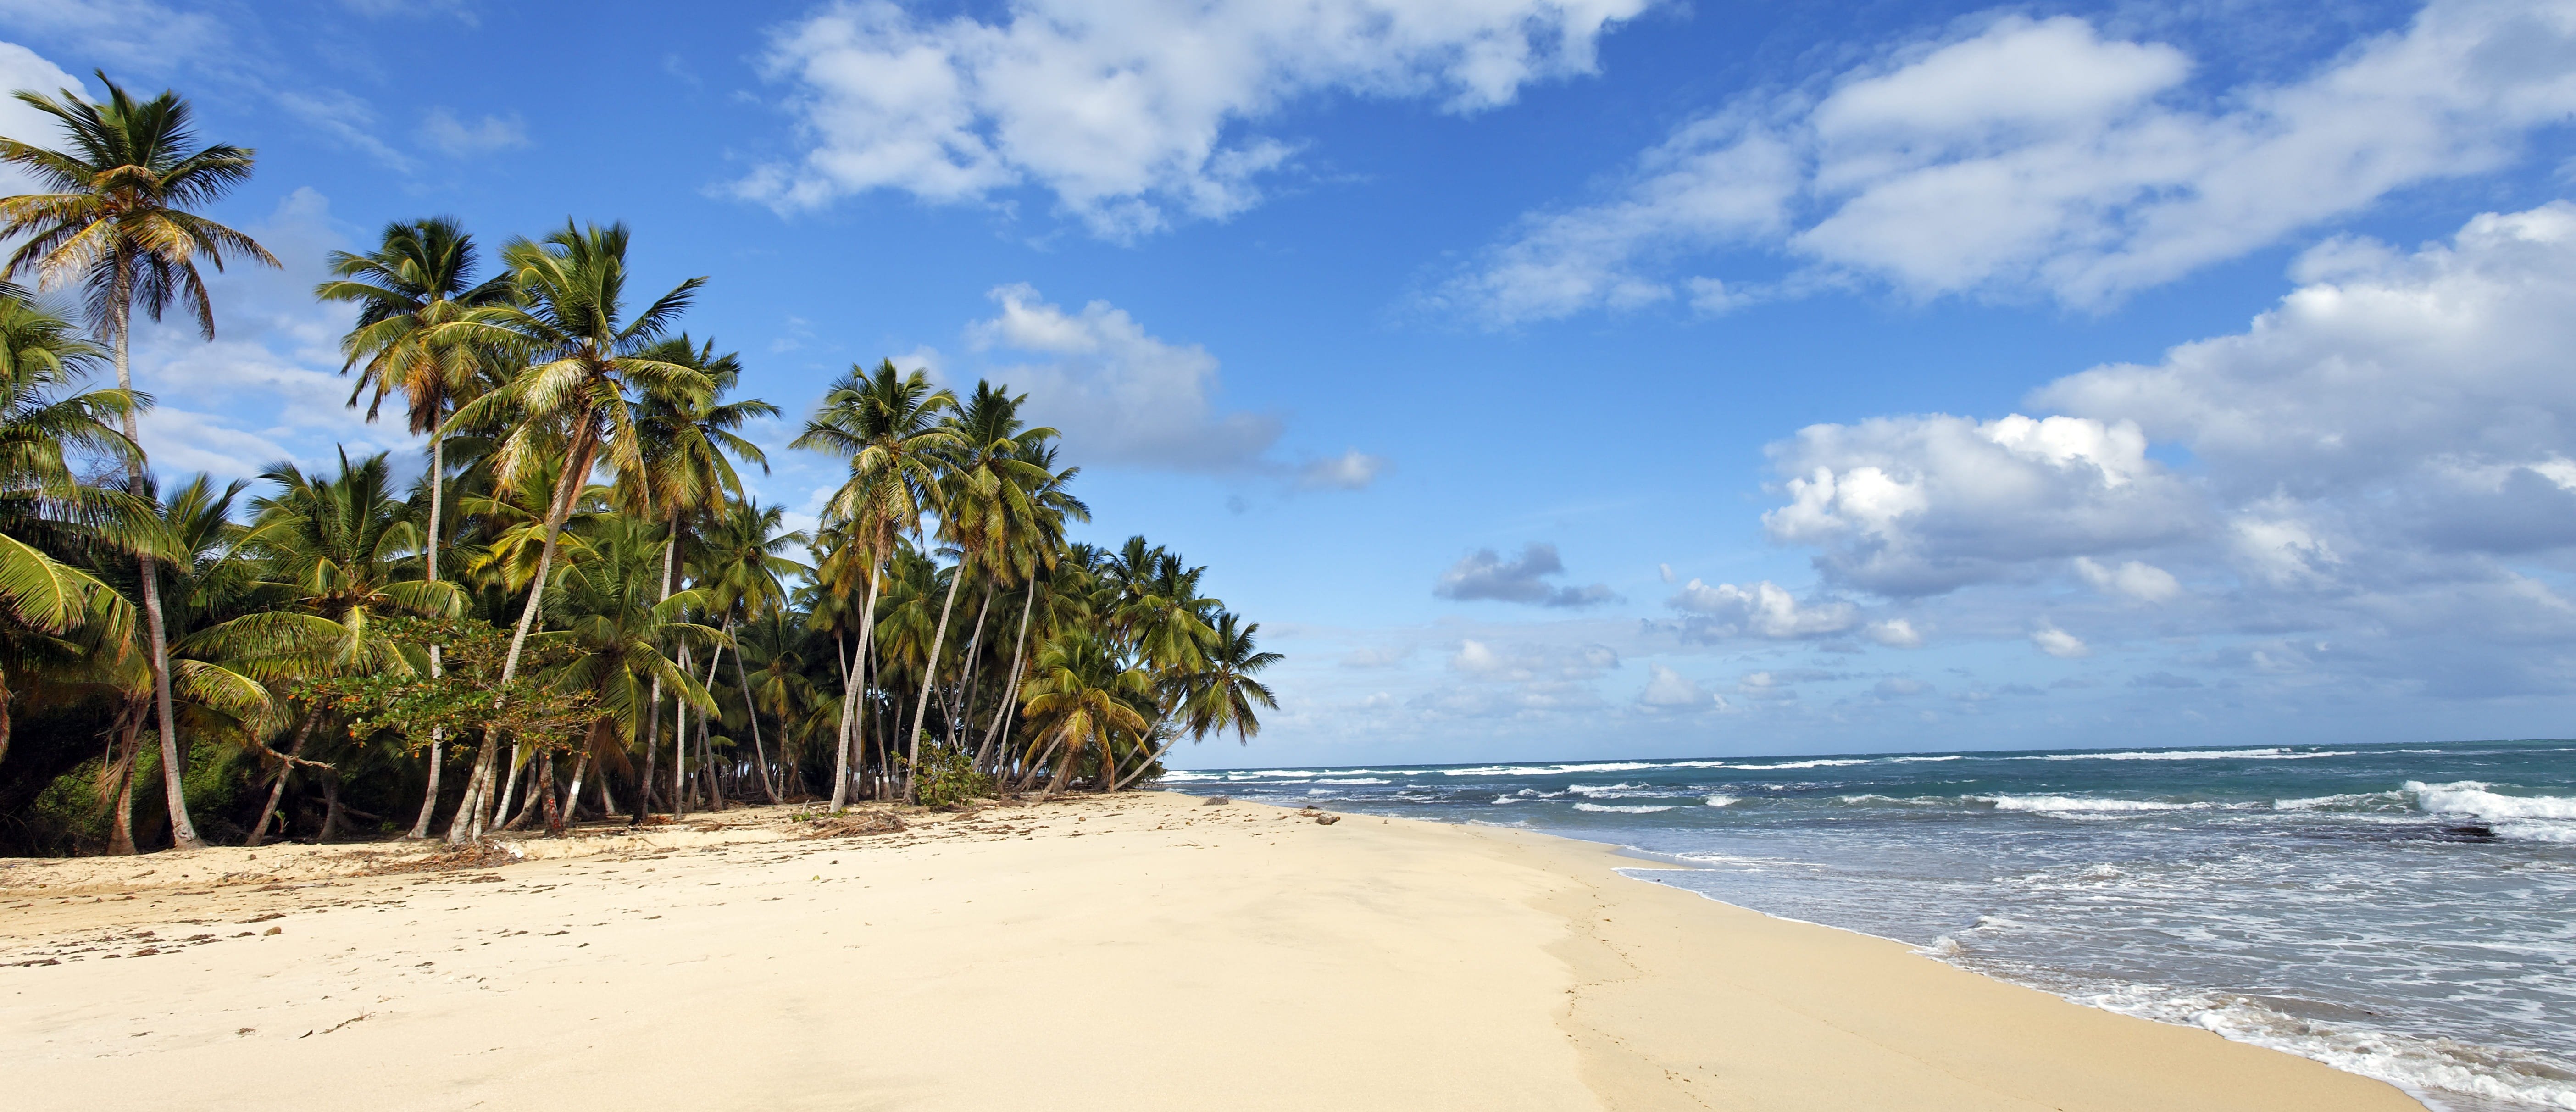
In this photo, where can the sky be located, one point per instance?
(1564, 378)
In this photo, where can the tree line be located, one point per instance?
(576, 610)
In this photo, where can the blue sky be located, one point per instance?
(1559, 378)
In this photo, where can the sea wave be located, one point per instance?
(2426, 1067)
(2083, 803)
(1639, 810)
(1546, 770)
(1723, 800)
(2273, 754)
(2350, 801)
(1355, 780)
(2471, 797)
(1596, 791)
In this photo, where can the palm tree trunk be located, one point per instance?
(759, 755)
(1147, 763)
(546, 788)
(680, 746)
(277, 787)
(473, 815)
(183, 834)
(1010, 690)
(572, 798)
(929, 673)
(510, 787)
(706, 744)
(962, 710)
(437, 669)
(853, 691)
(116, 778)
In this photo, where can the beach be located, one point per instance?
(1139, 951)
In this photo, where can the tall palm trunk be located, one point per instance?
(853, 691)
(437, 669)
(961, 710)
(653, 719)
(116, 776)
(751, 709)
(471, 817)
(706, 745)
(183, 834)
(277, 787)
(929, 673)
(680, 746)
(1010, 690)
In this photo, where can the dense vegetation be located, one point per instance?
(575, 611)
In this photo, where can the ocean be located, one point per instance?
(2407, 912)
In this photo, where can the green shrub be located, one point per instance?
(947, 778)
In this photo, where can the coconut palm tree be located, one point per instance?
(42, 504)
(116, 220)
(570, 400)
(684, 468)
(986, 503)
(618, 624)
(743, 575)
(887, 424)
(1222, 694)
(1084, 697)
(335, 553)
(420, 276)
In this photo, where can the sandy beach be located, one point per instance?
(1140, 952)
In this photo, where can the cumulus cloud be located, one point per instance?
(1120, 395)
(2059, 643)
(1895, 633)
(460, 139)
(2039, 156)
(1908, 506)
(1670, 690)
(21, 68)
(1484, 574)
(2387, 455)
(1133, 114)
(268, 387)
(1764, 609)
(1520, 679)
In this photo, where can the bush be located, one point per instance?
(947, 778)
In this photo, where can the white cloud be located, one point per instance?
(1484, 574)
(2037, 155)
(1907, 506)
(21, 68)
(1764, 609)
(2059, 643)
(1131, 114)
(443, 131)
(1120, 395)
(1895, 633)
(2135, 579)
(127, 33)
(1351, 470)
(1669, 690)
(268, 386)
(2385, 460)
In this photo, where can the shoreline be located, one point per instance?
(1144, 951)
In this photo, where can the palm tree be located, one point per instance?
(887, 424)
(41, 503)
(336, 553)
(743, 575)
(421, 276)
(1085, 697)
(1221, 695)
(570, 400)
(117, 221)
(1032, 545)
(617, 624)
(683, 469)
(986, 504)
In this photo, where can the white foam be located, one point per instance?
(1596, 791)
(2274, 754)
(1723, 800)
(2079, 803)
(1359, 780)
(1922, 760)
(1624, 810)
(1544, 770)
(2348, 801)
(2471, 797)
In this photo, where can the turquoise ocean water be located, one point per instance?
(2402, 911)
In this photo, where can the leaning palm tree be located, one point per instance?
(1085, 697)
(743, 574)
(116, 220)
(419, 277)
(569, 401)
(1222, 694)
(887, 424)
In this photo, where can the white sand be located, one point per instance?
(1140, 953)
